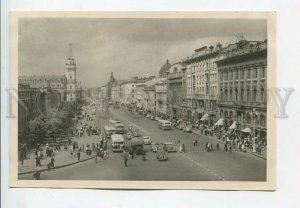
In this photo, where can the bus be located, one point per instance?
(117, 142)
(137, 146)
(164, 124)
(119, 126)
(109, 130)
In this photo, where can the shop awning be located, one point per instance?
(204, 117)
(246, 130)
(233, 126)
(220, 122)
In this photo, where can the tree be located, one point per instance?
(37, 128)
(53, 127)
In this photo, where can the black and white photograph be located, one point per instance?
(143, 100)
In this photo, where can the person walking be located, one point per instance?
(22, 156)
(78, 155)
(96, 157)
(125, 160)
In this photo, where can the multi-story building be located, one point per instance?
(242, 86)
(56, 82)
(149, 98)
(140, 95)
(132, 91)
(128, 94)
(202, 86)
(149, 101)
(175, 90)
(116, 93)
(161, 96)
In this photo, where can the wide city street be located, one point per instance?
(195, 165)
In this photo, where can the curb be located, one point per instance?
(212, 138)
(57, 167)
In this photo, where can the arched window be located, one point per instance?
(221, 94)
(230, 94)
(236, 92)
(263, 71)
(230, 117)
(262, 120)
(248, 73)
(242, 94)
(242, 74)
(255, 70)
(254, 94)
(248, 94)
(262, 94)
(248, 118)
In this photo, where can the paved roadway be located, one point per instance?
(196, 164)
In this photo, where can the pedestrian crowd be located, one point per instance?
(233, 139)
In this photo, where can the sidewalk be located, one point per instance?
(62, 158)
(263, 151)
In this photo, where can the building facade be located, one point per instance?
(202, 86)
(140, 95)
(149, 99)
(242, 71)
(161, 96)
(116, 93)
(175, 90)
(128, 93)
(56, 83)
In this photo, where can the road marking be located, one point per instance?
(133, 124)
(200, 165)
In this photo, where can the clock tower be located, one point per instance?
(71, 77)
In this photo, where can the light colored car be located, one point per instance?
(146, 140)
(156, 148)
(169, 147)
(157, 118)
(161, 155)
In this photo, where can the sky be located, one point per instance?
(127, 47)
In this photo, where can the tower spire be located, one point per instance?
(70, 44)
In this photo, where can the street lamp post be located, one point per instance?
(254, 114)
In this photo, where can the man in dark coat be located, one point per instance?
(78, 155)
(125, 160)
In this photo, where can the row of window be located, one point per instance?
(243, 95)
(201, 66)
(247, 73)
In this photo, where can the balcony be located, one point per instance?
(242, 104)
